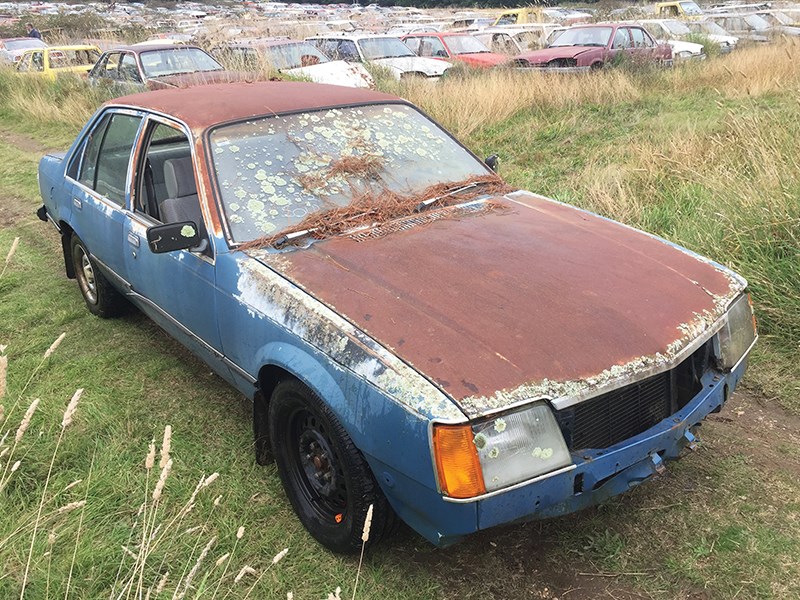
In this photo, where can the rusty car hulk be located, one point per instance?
(414, 333)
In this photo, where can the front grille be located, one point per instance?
(616, 416)
(613, 417)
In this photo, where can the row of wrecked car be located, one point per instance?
(340, 59)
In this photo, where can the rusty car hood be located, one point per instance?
(535, 299)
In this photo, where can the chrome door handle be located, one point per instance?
(133, 240)
(76, 202)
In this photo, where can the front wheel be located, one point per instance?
(325, 477)
(100, 297)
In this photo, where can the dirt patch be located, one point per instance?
(15, 210)
(760, 429)
(23, 142)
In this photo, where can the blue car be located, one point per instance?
(415, 334)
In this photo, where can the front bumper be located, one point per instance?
(546, 69)
(597, 475)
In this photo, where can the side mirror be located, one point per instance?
(173, 236)
(492, 162)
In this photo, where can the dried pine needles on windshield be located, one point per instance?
(370, 206)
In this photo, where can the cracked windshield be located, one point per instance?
(274, 172)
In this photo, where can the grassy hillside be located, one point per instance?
(705, 155)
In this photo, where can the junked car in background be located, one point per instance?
(714, 32)
(157, 66)
(514, 39)
(12, 49)
(678, 9)
(454, 47)
(522, 16)
(585, 47)
(679, 30)
(338, 257)
(745, 26)
(681, 49)
(384, 51)
(298, 59)
(52, 61)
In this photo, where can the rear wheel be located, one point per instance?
(325, 477)
(100, 297)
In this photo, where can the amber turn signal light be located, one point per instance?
(457, 463)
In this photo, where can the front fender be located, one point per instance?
(307, 369)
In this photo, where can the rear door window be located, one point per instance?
(107, 154)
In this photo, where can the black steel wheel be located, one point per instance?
(326, 478)
(100, 297)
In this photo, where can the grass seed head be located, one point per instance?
(15, 466)
(221, 559)
(162, 583)
(336, 594)
(71, 506)
(71, 408)
(12, 250)
(245, 570)
(240, 532)
(150, 459)
(26, 420)
(218, 500)
(279, 556)
(196, 567)
(162, 480)
(165, 446)
(210, 479)
(367, 525)
(54, 346)
(3, 380)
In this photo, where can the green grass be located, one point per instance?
(685, 162)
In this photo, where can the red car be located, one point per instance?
(452, 47)
(594, 46)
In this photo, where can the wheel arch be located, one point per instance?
(280, 361)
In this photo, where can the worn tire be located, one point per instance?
(98, 293)
(327, 480)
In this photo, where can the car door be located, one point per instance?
(106, 69)
(129, 74)
(176, 289)
(643, 47)
(99, 173)
(620, 44)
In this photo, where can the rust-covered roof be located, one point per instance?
(202, 106)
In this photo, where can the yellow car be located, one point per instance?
(53, 60)
(679, 9)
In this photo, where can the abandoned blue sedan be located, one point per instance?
(415, 334)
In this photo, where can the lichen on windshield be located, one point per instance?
(274, 172)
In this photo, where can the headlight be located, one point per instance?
(738, 333)
(482, 457)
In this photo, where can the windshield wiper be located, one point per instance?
(426, 203)
(290, 237)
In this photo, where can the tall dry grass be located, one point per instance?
(470, 102)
